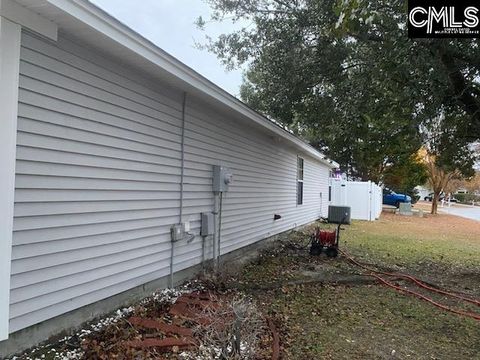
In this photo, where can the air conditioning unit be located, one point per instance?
(339, 214)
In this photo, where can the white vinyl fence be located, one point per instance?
(364, 198)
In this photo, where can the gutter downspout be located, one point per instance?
(182, 175)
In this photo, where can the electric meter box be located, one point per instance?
(222, 177)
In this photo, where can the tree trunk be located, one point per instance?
(435, 198)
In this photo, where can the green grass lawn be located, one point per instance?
(445, 240)
(367, 320)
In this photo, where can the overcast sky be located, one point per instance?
(170, 25)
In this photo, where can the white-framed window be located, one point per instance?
(300, 165)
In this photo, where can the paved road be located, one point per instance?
(469, 212)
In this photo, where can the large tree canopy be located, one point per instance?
(344, 75)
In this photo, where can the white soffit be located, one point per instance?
(20, 15)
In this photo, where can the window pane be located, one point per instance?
(300, 169)
(299, 192)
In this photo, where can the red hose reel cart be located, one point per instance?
(326, 240)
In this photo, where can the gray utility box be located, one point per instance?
(208, 225)
(338, 213)
(222, 177)
(177, 232)
(405, 209)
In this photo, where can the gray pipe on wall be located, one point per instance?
(217, 236)
(182, 174)
(219, 248)
(216, 211)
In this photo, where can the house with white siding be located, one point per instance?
(106, 144)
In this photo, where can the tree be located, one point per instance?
(454, 185)
(445, 158)
(453, 64)
(345, 76)
(404, 177)
(473, 185)
(438, 178)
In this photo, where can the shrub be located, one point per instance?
(467, 198)
(232, 332)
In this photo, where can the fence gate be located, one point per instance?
(363, 197)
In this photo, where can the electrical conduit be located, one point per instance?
(182, 172)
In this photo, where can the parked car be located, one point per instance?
(452, 199)
(429, 197)
(390, 197)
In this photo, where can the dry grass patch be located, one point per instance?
(326, 320)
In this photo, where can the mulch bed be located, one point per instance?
(166, 331)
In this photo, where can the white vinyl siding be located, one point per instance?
(98, 180)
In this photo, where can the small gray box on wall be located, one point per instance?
(339, 214)
(207, 224)
(177, 232)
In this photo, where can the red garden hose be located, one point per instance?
(421, 284)
(414, 279)
(441, 306)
